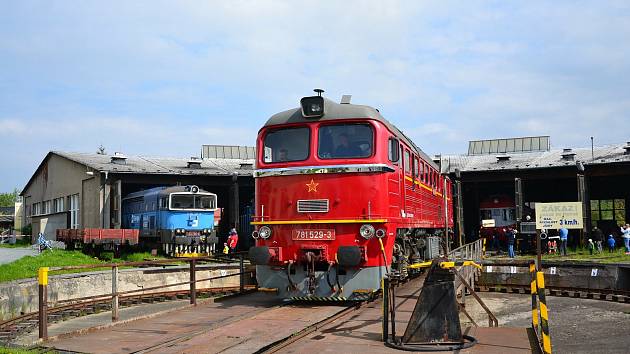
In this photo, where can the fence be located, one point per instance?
(44, 272)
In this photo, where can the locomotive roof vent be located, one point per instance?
(313, 106)
(627, 148)
(345, 99)
(194, 162)
(503, 158)
(119, 158)
(568, 154)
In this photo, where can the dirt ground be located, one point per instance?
(575, 325)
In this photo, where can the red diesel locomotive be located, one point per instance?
(331, 180)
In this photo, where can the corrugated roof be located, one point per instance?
(532, 160)
(153, 165)
(160, 165)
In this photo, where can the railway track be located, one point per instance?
(581, 293)
(13, 328)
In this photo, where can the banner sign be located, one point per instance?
(558, 215)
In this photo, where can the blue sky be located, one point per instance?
(160, 78)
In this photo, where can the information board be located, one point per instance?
(558, 215)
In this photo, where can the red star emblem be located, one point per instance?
(312, 187)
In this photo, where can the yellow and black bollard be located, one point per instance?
(534, 290)
(544, 316)
(42, 277)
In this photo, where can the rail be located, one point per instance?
(115, 295)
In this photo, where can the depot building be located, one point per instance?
(503, 179)
(85, 190)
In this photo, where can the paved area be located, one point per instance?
(362, 332)
(575, 325)
(8, 255)
(102, 320)
(234, 325)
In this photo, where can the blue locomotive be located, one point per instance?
(182, 218)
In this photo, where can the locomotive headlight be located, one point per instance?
(312, 107)
(366, 231)
(255, 234)
(264, 232)
(380, 233)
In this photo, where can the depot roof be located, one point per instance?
(123, 164)
(615, 153)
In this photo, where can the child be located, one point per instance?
(591, 246)
(611, 244)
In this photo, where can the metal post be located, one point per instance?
(582, 197)
(43, 302)
(445, 195)
(538, 251)
(115, 293)
(242, 271)
(459, 214)
(385, 290)
(193, 282)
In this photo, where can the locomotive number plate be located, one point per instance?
(317, 235)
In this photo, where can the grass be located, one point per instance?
(581, 254)
(7, 350)
(26, 267)
(19, 243)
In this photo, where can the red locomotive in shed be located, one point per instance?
(334, 182)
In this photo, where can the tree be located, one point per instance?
(8, 199)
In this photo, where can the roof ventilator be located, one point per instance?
(194, 162)
(627, 148)
(503, 158)
(568, 154)
(345, 99)
(119, 158)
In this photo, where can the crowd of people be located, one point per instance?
(506, 239)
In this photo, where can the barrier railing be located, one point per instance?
(470, 251)
(44, 272)
(540, 316)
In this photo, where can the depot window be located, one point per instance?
(345, 141)
(288, 144)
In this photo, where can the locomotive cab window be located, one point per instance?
(288, 144)
(393, 150)
(345, 141)
(192, 201)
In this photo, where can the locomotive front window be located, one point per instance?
(347, 141)
(192, 201)
(289, 144)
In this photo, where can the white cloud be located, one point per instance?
(136, 76)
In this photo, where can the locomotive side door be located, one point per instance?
(404, 157)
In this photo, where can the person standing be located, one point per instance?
(564, 237)
(611, 243)
(598, 237)
(511, 237)
(232, 240)
(625, 234)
